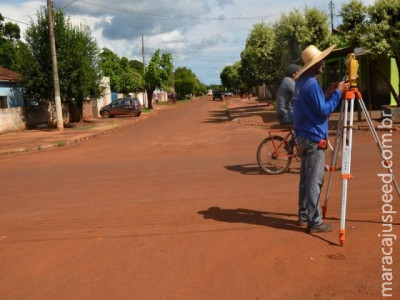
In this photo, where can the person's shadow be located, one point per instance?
(241, 215)
(270, 219)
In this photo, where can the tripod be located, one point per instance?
(345, 132)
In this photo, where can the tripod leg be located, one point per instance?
(346, 164)
(378, 143)
(334, 157)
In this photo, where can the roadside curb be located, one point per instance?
(75, 137)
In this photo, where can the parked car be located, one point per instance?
(209, 93)
(122, 106)
(217, 95)
(228, 94)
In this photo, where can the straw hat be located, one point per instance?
(311, 55)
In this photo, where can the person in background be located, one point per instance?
(284, 98)
(311, 111)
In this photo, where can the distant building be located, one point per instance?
(373, 87)
(11, 95)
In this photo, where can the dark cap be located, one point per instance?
(291, 69)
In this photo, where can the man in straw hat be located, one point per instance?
(311, 111)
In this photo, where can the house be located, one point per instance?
(11, 102)
(11, 95)
(371, 83)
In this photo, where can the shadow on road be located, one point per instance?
(263, 112)
(254, 169)
(217, 116)
(241, 215)
(247, 169)
(270, 219)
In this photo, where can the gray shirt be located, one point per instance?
(284, 100)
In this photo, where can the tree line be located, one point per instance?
(81, 64)
(270, 48)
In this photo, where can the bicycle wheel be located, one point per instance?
(274, 155)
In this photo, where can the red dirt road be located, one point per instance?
(175, 207)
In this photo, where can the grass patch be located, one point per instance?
(184, 101)
(166, 103)
(83, 127)
(61, 143)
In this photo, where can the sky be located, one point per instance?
(202, 35)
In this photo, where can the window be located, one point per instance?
(3, 102)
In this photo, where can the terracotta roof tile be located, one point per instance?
(8, 75)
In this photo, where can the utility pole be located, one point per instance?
(57, 97)
(331, 7)
(144, 62)
(145, 100)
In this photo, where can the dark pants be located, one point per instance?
(311, 180)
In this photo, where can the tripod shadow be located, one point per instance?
(241, 215)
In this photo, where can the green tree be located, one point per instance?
(136, 66)
(109, 63)
(130, 79)
(317, 26)
(257, 59)
(230, 77)
(11, 31)
(377, 29)
(77, 62)
(354, 17)
(9, 42)
(158, 72)
(186, 82)
(291, 36)
(125, 75)
(294, 32)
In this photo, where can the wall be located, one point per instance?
(21, 118)
(91, 109)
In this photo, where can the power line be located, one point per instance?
(16, 20)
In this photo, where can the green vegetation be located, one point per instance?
(271, 48)
(158, 73)
(125, 75)
(77, 60)
(377, 29)
(9, 35)
(186, 83)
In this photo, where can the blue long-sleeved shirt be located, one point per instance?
(311, 109)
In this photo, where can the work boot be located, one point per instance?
(302, 222)
(320, 228)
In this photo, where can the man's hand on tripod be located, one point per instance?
(343, 87)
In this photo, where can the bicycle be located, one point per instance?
(275, 153)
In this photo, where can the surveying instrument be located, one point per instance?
(344, 133)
